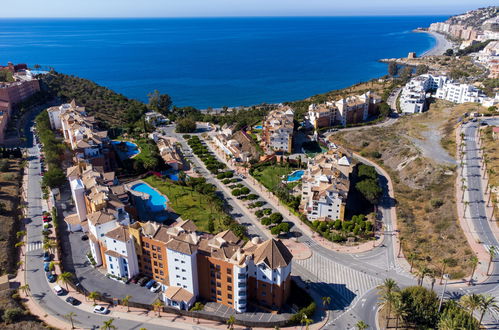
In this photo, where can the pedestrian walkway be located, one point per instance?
(34, 246)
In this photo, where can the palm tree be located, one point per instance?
(125, 302)
(197, 307)
(421, 274)
(463, 188)
(20, 234)
(412, 257)
(487, 303)
(65, 278)
(94, 295)
(471, 302)
(20, 264)
(24, 288)
(361, 325)
(325, 301)
(70, 317)
(157, 306)
(52, 266)
(445, 263)
(108, 325)
(307, 322)
(466, 204)
(20, 245)
(474, 263)
(230, 322)
(492, 254)
(491, 187)
(398, 310)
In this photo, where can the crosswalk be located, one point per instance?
(487, 248)
(347, 282)
(34, 246)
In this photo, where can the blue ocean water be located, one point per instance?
(216, 61)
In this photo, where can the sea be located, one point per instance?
(215, 62)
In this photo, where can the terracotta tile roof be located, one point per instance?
(120, 233)
(114, 254)
(73, 171)
(72, 219)
(99, 218)
(187, 225)
(228, 236)
(181, 246)
(178, 294)
(273, 253)
(162, 235)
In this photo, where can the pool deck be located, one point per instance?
(136, 145)
(144, 195)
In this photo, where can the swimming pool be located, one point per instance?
(172, 174)
(295, 176)
(258, 127)
(126, 149)
(156, 202)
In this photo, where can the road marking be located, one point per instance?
(34, 246)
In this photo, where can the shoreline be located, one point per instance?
(442, 44)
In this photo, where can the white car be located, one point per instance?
(58, 290)
(156, 287)
(101, 310)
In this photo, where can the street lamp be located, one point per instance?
(446, 277)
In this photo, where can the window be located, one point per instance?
(229, 296)
(219, 292)
(229, 279)
(176, 259)
(218, 267)
(111, 266)
(178, 284)
(177, 276)
(183, 270)
(184, 278)
(229, 288)
(153, 247)
(219, 285)
(160, 265)
(229, 271)
(182, 262)
(218, 276)
(264, 285)
(155, 263)
(110, 259)
(156, 271)
(160, 257)
(147, 245)
(213, 291)
(177, 268)
(114, 241)
(161, 273)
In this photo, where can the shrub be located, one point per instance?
(12, 315)
(276, 230)
(252, 197)
(337, 224)
(245, 191)
(276, 217)
(307, 311)
(267, 211)
(436, 203)
(259, 203)
(259, 213)
(266, 221)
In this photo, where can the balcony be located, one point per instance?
(241, 284)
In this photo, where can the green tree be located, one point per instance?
(185, 125)
(370, 189)
(387, 292)
(361, 325)
(230, 322)
(474, 263)
(197, 308)
(471, 302)
(108, 325)
(487, 304)
(70, 316)
(94, 295)
(54, 178)
(126, 302)
(160, 102)
(421, 306)
(393, 69)
(65, 278)
(157, 305)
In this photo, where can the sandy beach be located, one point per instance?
(440, 47)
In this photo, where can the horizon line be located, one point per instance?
(235, 16)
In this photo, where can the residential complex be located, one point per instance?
(277, 130)
(413, 95)
(413, 98)
(22, 86)
(169, 150)
(350, 110)
(489, 57)
(188, 264)
(325, 185)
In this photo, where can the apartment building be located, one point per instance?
(222, 268)
(13, 92)
(277, 130)
(325, 186)
(349, 110)
(460, 93)
(413, 95)
(168, 150)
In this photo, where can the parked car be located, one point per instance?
(150, 284)
(101, 310)
(46, 266)
(73, 301)
(143, 280)
(156, 287)
(84, 238)
(47, 256)
(135, 278)
(51, 277)
(58, 290)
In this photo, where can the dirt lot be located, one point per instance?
(10, 181)
(423, 182)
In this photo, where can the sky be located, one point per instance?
(216, 8)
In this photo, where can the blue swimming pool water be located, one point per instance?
(172, 174)
(156, 202)
(258, 127)
(131, 149)
(295, 176)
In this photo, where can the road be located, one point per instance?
(350, 279)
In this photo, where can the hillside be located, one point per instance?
(110, 108)
(475, 18)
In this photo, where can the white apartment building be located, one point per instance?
(182, 265)
(325, 186)
(460, 93)
(277, 131)
(121, 257)
(413, 95)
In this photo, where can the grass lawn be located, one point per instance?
(189, 204)
(271, 176)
